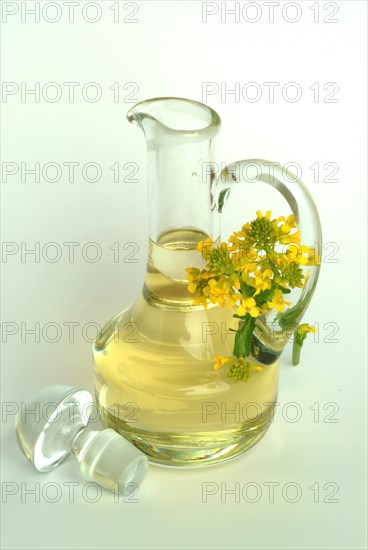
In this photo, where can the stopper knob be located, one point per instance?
(53, 425)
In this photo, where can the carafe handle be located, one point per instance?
(252, 172)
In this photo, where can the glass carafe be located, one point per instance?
(154, 362)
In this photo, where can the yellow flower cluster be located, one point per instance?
(240, 369)
(251, 272)
(247, 271)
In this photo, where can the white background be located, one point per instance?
(171, 51)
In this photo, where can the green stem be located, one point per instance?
(296, 352)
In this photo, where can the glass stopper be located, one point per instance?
(53, 425)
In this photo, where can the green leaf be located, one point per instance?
(283, 289)
(236, 344)
(243, 337)
(264, 296)
(246, 290)
(241, 343)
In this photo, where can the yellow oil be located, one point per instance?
(154, 376)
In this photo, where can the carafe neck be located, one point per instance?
(180, 144)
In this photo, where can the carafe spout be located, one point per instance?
(175, 116)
